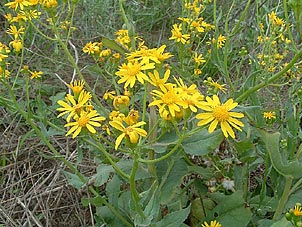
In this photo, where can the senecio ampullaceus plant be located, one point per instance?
(177, 133)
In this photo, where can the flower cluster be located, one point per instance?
(79, 110)
(274, 44)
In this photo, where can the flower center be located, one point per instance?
(221, 113)
(169, 98)
(83, 121)
(135, 69)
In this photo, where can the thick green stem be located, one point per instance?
(134, 193)
(284, 198)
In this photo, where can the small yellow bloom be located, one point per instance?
(14, 31)
(269, 115)
(18, 4)
(91, 48)
(177, 34)
(131, 132)
(73, 106)
(76, 87)
(87, 120)
(109, 95)
(297, 210)
(132, 117)
(16, 44)
(220, 113)
(35, 74)
(212, 224)
(120, 101)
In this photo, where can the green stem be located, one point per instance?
(284, 198)
(271, 79)
(113, 210)
(107, 155)
(134, 193)
(153, 133)
(164, 156)
(241, 18)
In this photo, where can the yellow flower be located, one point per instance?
(14, 31)
(91, 48)
(220, 113)
(220, 41)
(155, 79)
(120, 102)
(168, 100)
(109, 95)
(87, 120)
(76, 87)
(18, 4)
(49, 3)
(177, 34)
(215, 85)
(73, 106)
(131, 132)
(35, 74)
(132, 117)
(269, 115)
(133, 71)
(16, 44)
(212, 224)
(297, 210)
(198, 59)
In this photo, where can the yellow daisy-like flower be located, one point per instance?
(132, 117)
(120, 102)
(14, 31)
(269, 115)
(109, 95)
(212, 224)
(16, 44)
(87, 120)
(133, 71)
(215, 85)
(91, 48)
(76, 87)
(168, 100)
(220, 113)
(73, 106)
(18, 4)
(155, 79)
(177, 34)
(35, 74)
(131, 132)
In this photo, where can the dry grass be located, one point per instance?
(33, 189)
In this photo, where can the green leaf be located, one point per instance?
(109, 43)
(113, 190)
(174, 219)
(231, 209)
(160, 146)
(203, 142)
(284, 167)
(171, 174)
(74, 180)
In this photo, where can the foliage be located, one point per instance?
(203, 128)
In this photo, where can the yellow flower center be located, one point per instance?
(169, 98)
(220, 113)
(135, 69)
(297, 211)
(83, 121)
